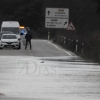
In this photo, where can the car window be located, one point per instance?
(15, 30)
(9, 37)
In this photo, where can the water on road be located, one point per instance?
(66, 77)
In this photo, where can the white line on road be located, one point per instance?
(30, 53)
(60, 49)
(54, 45)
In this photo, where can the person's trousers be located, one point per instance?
(28, 41)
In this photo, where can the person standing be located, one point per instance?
(28, 38)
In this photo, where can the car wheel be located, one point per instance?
(1, 48)
(19, 46)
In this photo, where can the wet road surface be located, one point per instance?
(47, 72)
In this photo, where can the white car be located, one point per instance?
(9, 40)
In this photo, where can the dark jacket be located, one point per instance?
(28, 36)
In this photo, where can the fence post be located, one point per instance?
(48, 35)
(76, 45)
(82, 48)
(64, 40)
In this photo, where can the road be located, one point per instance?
(40, 48)
(47, 72)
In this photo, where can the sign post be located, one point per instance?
(48, 34)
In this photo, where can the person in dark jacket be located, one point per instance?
(28, 38)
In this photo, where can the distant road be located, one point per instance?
(40, 48)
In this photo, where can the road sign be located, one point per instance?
(57, 12)
(56, 23)
(71, 26)
(56, 17)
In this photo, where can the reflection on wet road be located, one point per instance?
(39, 78)
(55, 77)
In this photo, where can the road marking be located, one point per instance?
(60, 49)
(67, 52)
(54, 45)
(30, 53)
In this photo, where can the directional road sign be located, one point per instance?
(56, 17)
(57, 12)
(56, 23)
